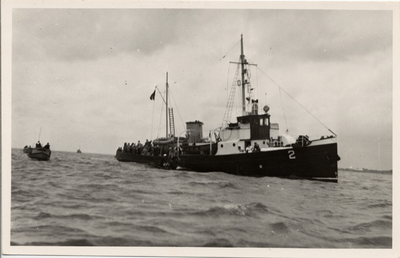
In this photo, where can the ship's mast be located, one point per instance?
(242, 62)
(166, 104)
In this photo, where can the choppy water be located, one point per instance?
(92, 199)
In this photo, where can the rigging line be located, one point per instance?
(230, 50)
(40, 133)
(258, 88)
(227, 81)
(284, 114)
(152, 121)
(160, 94)
(296, 101)
(161, 116)
(176, 107)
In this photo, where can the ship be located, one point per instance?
(250, 146)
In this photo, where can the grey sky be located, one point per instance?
(85, 75)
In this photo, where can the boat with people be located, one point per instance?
(250, 146)
(40, 152)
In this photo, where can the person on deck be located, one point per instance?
(256, 147)
(47, 146)
(133, 148)
(38, 145)
(139, 147)
(249, 148)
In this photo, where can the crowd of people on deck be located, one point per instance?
(149, 149)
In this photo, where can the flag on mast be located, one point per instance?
(153, 95)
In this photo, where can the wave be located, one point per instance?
(183, 174)
(368, 226)
(252, 209)
(143, 229)
(279, 228)
(71, 242)
(257, 206)
(381, 204)
(80, 216)
(123, 241)
(220, 211)
(219, 242)
(220, 185)
(388, 217)
(55, 229)
(370, 242)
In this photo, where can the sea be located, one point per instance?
(93, 200)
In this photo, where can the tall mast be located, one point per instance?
(242, 62)
(40, 133)
(166, 104)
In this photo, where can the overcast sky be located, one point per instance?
(84, 76)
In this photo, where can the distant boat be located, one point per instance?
(40, 153)
(79, 151)
(27, 149)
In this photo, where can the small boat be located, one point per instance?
(27, 149)
(40, 153)
(79, 151)
(250, 146)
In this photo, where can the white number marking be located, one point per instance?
(291, 154)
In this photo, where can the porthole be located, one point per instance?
(264, 142)
(222, 145)
(234, 144)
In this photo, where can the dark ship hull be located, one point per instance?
(154, 161)
(317, 162)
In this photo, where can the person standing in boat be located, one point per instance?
(38, 145)
(47, 146)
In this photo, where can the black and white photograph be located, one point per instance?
(182, 128)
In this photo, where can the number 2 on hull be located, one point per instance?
(291, 154)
